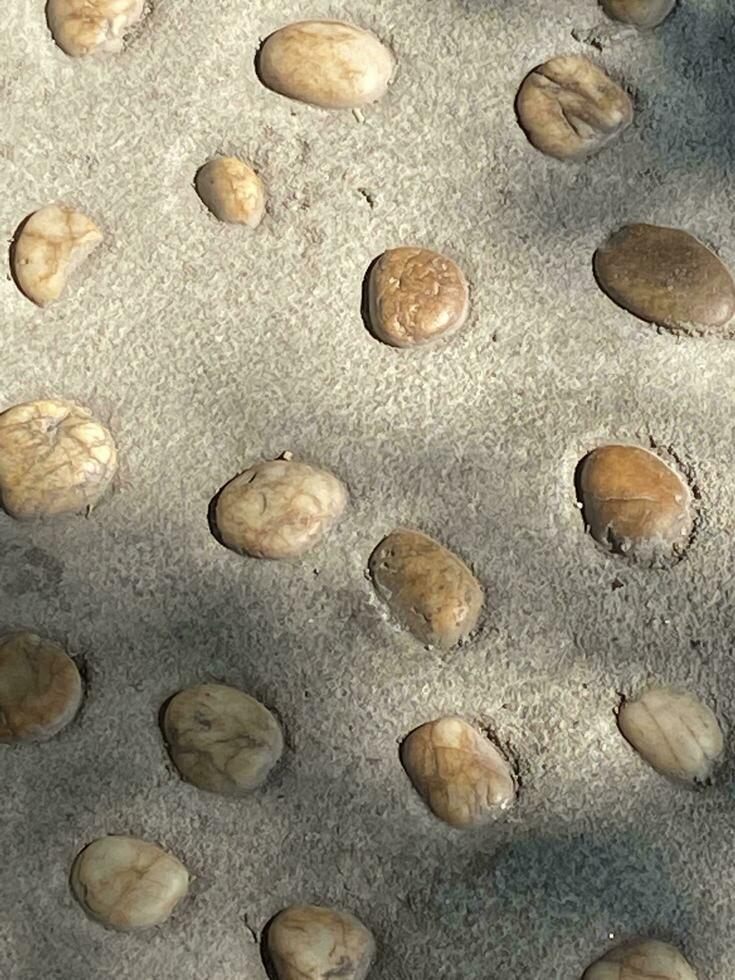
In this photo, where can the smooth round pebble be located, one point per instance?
(49, 247)
(642, 959)
(128, 884)
(640, 13)
(429, 590)
(81, 27)
(54, 459)
(232, 191)
(278, 509)
(326, 63)
(416, 297)
(674, 732)
(667, 277)
(310, 942)
(461, 775)
(569, 108)
(220, 739)
(634, 504)
(40, 688)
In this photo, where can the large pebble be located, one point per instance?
(569, 108)
(326, 63)
(278, 509)
(54, 459)
(310, 942)
(40, 688)
(462, 776)
(642, 959)
(220, 739)
(634, 504)
(128, 884)
(428, 589)
(667, 277)
(83, 27)
(232, 191)
(640, 13)
(416, 297)
(674, 732)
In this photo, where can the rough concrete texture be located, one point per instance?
(205, 348)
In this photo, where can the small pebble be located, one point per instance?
(40, 688)
(310, 942)
(220, 739)
(49, 247)
(461, 775)
(667, 277)
(642, 959)
(128, 884)
(278, 509)
(232, 191)
(569, 108)
(634, 504)
(81, 27)
(429, 590)
(416, 297)
(54, 459)
(674, 732)
(326, 63)
(640, 13)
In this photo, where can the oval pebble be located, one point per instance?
(640, 13)
(667, 277)
(641, 959)
(232, 191)
(311, 942)
(326, 63)
(81, 27)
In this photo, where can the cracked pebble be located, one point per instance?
(310, 942)
(416, 297)
(81, 27)
(54, 459)
(429, 590)
(49, 247)
(635, 505)
(641, 959)
(461, 775)
(232, 191)
(221, 739)
(40, 688)
(128, 884)
(676, 733)
(569, 108)
(640, 13)
(278, 509)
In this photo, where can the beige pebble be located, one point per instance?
(429, 590)
(278, 509)
(40, 688)
(642, 959)
(634, 504)
(220, 739)
(48, 249)
(326, 63)
(128, 884)
(310, 942)
(416, 297)
(461, 775)
(54, 459)
(640, 13)
(232, 191)
(569, 108)
(83, 27)
(674, 732)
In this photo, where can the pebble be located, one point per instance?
(232, 191)
(642, 959)
(667, 277)
(640, 13)
(310, 942)
(80, 27)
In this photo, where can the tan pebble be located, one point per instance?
(278, 509)
(416, 297)
(642, 959)
(461, 775)
(128, 884)
(634, 504)
(54, 459)
(674, 732)
(232, 191)
(569, 108)
(220, 739)
(310, 942)
(428, 589)
(40, 688)
(326, 63)
(49, 247)
(640, 13)
(83, 27)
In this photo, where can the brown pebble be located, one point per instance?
(311, 942)
(641, 959)
(640, 13)
(232, 191)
